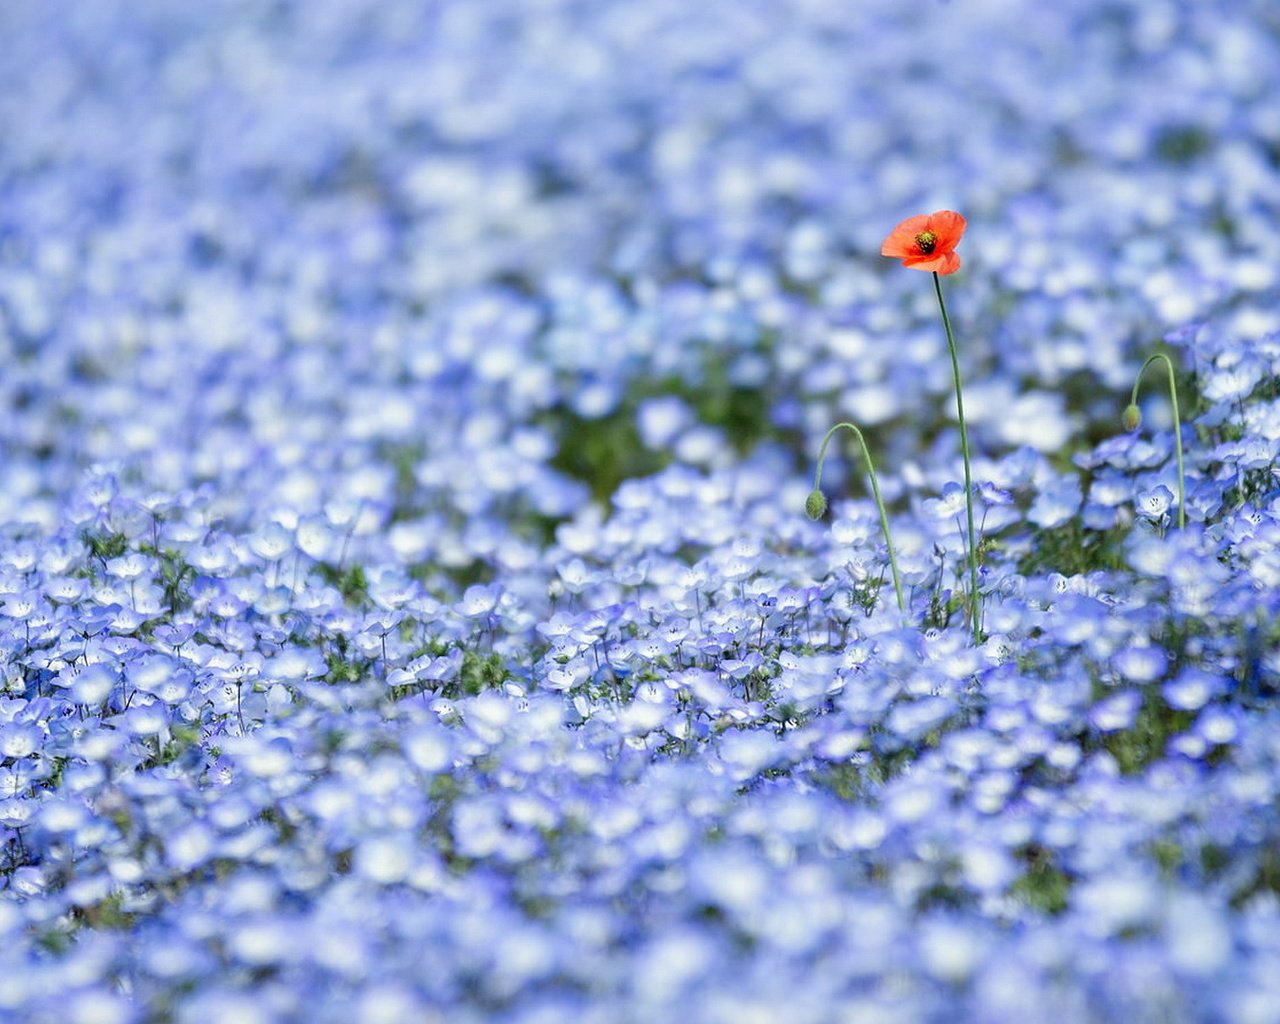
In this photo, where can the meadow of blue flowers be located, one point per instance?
(407, 412)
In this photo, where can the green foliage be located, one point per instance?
(1044, 887)
(1214, 859)
(54, 941)
(404, 460)
(106, 915)
(1248, 877)
(943, 604)
(1268, 390)
(105, 544)
(1264, 880)
(437, 577)
(1182, 144)
(175, 578)
(342, 668)
(278, 820)
(885, 766)
(866, 593)
(1168, 855)
(604, 452)
(943, 894)
(480, 672)
(181, 739)
(1072, 549)
(1145, 741)
(351, 582)
(847, 780)
(1254, 485)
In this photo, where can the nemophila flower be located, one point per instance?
(927, 242)
(912, 719)
(1192, 689)
(1116, 712)
(1154, 503)
(1110, 488)
(1124, 451)
(1098, 517)
(949, 505)
(271, 542)
(1218, 725)
(90, 685)
(1142, 664)
(480, 600)
(1249, 453)
(1056, 502)
(65, 589)
(1233, 377)
(128, 567)
(145, 717)
(21, 606)
(19, 740)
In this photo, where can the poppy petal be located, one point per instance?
(901, 241)
(950, 263)
(948, 226)
(938, 262)
(899, 246)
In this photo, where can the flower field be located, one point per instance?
(408, 610)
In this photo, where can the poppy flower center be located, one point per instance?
(926, 240)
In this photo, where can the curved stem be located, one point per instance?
(1177, 428)
(875, 493)
(974, 603)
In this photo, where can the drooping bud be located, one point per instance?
(1132, 417)
(815, 506)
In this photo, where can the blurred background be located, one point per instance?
(502, 256)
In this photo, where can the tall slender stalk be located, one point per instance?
(817, 502)
(1133, 419)
(975, 604)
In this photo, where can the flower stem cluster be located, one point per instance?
(928, 242)
(925, 242)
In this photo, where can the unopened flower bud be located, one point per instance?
(1132, 418)
(815, 506)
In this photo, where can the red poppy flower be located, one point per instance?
(927, 242)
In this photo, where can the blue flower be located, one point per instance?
(1056, 502)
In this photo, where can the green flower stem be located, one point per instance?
(974, 602)
(875, 492)
(1177, 428)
